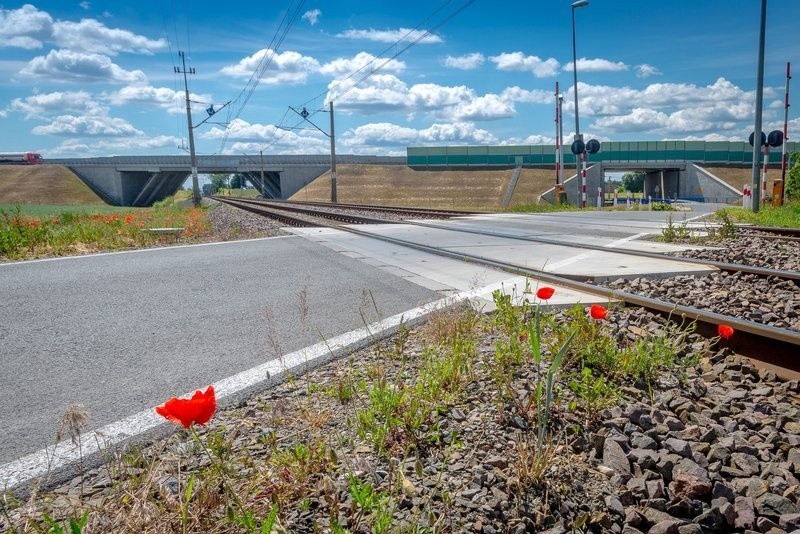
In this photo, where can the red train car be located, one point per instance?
(22, 158)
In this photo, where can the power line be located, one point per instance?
(385, 51)
(289, 18)
(371, 72)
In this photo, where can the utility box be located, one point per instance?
(777, 193)
(560, 195)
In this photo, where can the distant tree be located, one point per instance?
(792, 184)
(238, 181)
(219, 181)
(633, 181)
(208, 190)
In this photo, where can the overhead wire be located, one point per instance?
(380, 55)
(372, 71)
(239, 103)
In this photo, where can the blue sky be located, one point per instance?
(96, 78)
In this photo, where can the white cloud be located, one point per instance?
(163, 97)
(69, 66)
(384, 134)
(535, 96)
(90, 35)
(386, 92)
(484, 108)
(645, 71)
(290, 68)
(250, 138)
(85, 5)
(708, 137)
(104, 147)
(466, 62)
(381, 92)
(673, 109)
(86, 126)
(520, 62)
(341, 67)
(59, 102)
(312, 16)
(26, 27)
(391, 36)
(432, 97)
(597, 65)
(530, 140)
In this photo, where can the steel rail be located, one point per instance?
(341, 217)
(368, 207)
(789, 232)
(775, 346)
(722, 266)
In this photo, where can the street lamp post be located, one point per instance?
(578, 144)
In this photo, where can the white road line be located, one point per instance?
(580, 257)
(138, 250)
(57, 456)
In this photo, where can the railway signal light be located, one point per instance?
(775, 138)
(751, 139)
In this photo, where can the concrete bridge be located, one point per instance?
(679, 169)
(142, 180)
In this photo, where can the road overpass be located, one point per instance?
(680, 169)
(142, 180)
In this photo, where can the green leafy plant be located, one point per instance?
(592, 392)
(672, 232)
(72, 526)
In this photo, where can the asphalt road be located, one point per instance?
(120, 333)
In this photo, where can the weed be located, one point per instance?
(592, 392)
(662, 206)
(726, 230)
(72, 526)
(672, 232)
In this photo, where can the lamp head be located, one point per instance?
(580, 3)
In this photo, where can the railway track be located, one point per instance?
(773, 232)
(778, 348)
(401, 210)
(334, 214)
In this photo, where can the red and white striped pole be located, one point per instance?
(784, 161)
(558, 144)
(583, 179)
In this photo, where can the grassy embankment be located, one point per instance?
(45, 210)
(786, 216)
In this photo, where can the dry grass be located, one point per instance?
(44, 184)
(533, 183)
(731, 175)
(402, 186)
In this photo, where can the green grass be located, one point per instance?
(32, 231)
(786, 216)
(49, 210)
(541, 208)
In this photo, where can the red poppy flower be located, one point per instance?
(724, 331)
(598, 312)
(55, 221)
(198, 409)
(523, 336)
(545, 292)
